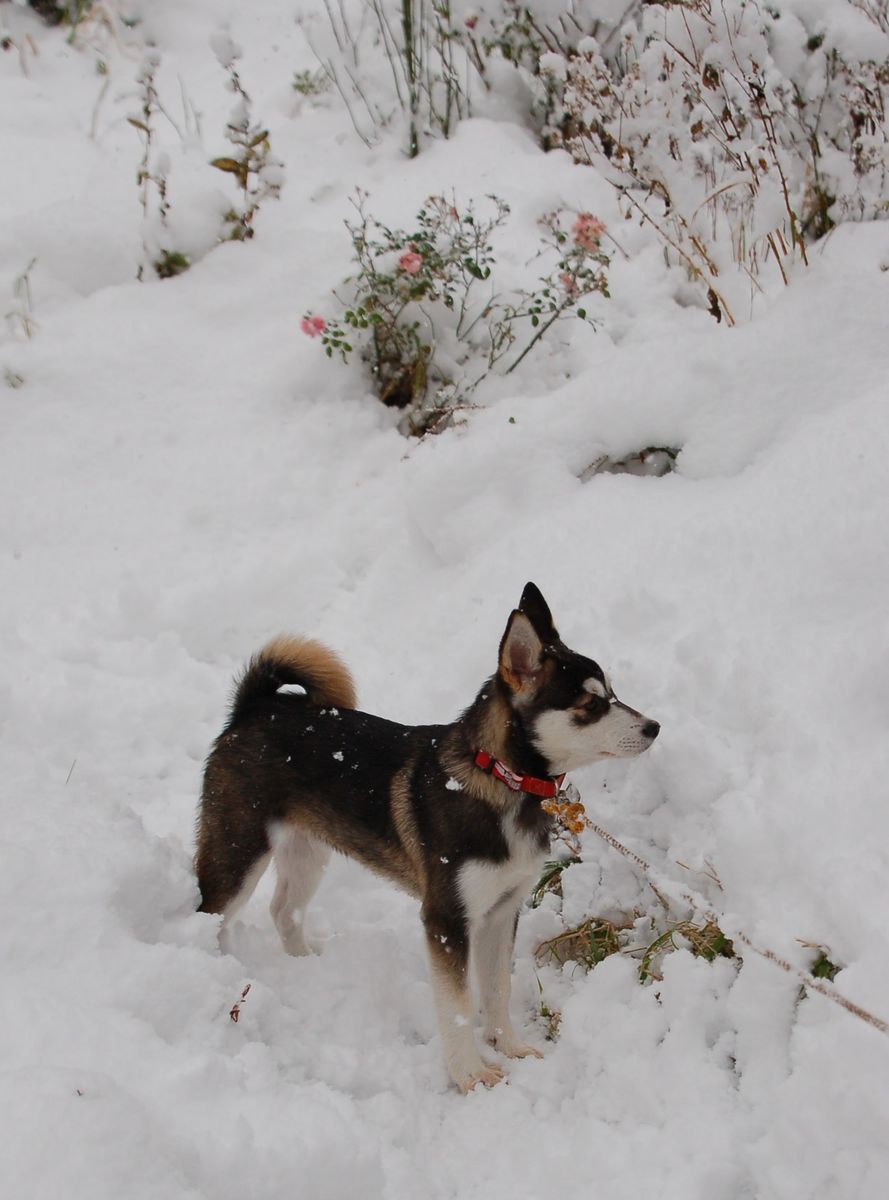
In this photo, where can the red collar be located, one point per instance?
(546, 788)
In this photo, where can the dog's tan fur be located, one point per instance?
(327, 677)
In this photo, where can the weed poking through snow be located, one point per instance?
(151, 179)
(431, 65)
(550, 881)
(20, 317)
(588, 944)
(260, 176)
(551, 1017)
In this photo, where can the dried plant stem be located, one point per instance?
(344, 39)
(390, 45)
(103, 92)
(534, 340)
(771, 241)
(710, 914)
(24, 313)
(692, 265)
(410, 66)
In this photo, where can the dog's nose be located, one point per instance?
(651, 730)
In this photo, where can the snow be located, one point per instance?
(184, 475)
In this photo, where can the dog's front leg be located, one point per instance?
(448, 944)
(493, 938)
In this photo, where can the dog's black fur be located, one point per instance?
(407, 801)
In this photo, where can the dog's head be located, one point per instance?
(564, 701)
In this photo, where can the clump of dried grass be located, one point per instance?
(588, 944)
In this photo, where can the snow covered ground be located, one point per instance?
(184, 474)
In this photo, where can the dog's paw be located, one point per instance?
(520, 1050)
(489, 1076)
(510, 1046)
(295, 944)
(299, 949)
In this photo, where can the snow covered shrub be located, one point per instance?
(704, 940)
(406, 281)
(522, 34)
(171, 242)
(426, 305)
(587, 944)
(739, 132)
(419, 46)
(78, 14)
(259, 174)
(691, 131)
(579, 272)
(648, 939)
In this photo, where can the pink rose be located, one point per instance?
(587, 231)
(569, 283)
(410, 262)
(312, 326)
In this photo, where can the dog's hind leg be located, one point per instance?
(248, 886)
(230, 863)
(299, 861)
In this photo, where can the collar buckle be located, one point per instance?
(530, 784)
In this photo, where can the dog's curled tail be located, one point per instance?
(298, 660)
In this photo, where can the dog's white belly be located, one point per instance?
(483, 884)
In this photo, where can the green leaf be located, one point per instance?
(823, 968)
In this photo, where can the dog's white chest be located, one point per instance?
(483, 884)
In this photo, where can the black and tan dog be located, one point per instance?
(452, 812)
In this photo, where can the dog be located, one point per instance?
(451, 813)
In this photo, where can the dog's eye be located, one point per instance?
(590, 709)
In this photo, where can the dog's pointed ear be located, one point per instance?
(520, 655)
(536, 609)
